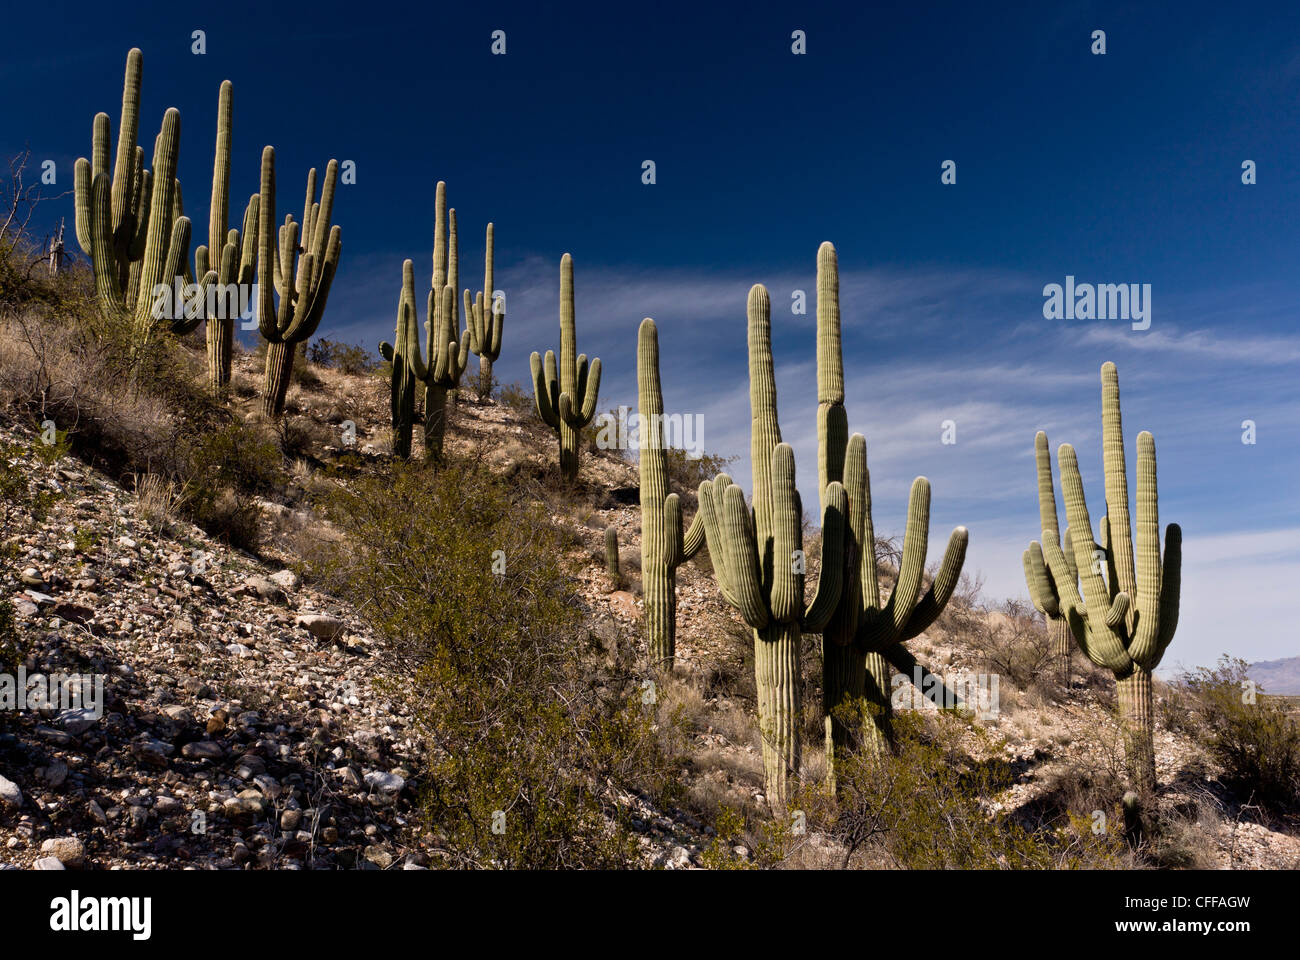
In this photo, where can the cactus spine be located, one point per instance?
(303, 283)
(1124, 620)
(566, 396)
(664, 547)
(485, 315)
(611, 554)
(759, 562)
(862, 641)
(130, 225)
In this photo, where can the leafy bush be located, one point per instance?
(526, 721)
(347, 358)
(1255, 738)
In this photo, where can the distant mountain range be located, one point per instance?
(1277, 676)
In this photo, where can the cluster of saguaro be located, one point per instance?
(566, 395)
(861, 643)
(303, 283)
(664, 547)
(130, 225)
(447, 356)
(1121, 605)
(759, 562)
(484, 317)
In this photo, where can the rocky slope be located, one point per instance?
(243, 728)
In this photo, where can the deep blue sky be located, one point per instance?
(1117, 168)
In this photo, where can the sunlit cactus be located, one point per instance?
(861, 645)
(447, 355)
(1121, 604)
(128, 222)
(485, 315)
(566, 393)
(759, 562)
(664, 546)
(302, 282)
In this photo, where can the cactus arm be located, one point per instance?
(1041, 590)
(1170, 588)
(832, 419)
(1120, 548)
(693, 539)
(1046, 491)
(101, 249)
(128, 130)
(929, 607)
(672, 548)
(885, 628)
(786, 593)
(542, 388)
(831, 580)
(1146, 632)
(742, 559)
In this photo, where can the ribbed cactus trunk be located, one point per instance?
(780, 705)
(611, 554)
(1136, 714)
(221, 336)
(663, 545)
(435, 421)
(877, 727)
(1058, 630)
(279, 371)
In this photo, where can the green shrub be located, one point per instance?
(525, 720)
(927, 807)
(1254, 737)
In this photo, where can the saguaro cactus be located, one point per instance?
(611, 554)
(485, 315)
(130, 226)
(566, 398)
(229, 257)
(663, 545)
(447, 357)
(863, 639)
(1123, 617)
(1042, 586)
(303, 283)
(759, 562)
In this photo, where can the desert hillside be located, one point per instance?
(255, 715)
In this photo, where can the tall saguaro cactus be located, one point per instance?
(229, 257)
(129, 225)
(303, 283)
(759, 562)
(447, 356)
(664, 547)
(485, 315)
(566, 395)
(1123, 616)
(862, 641)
